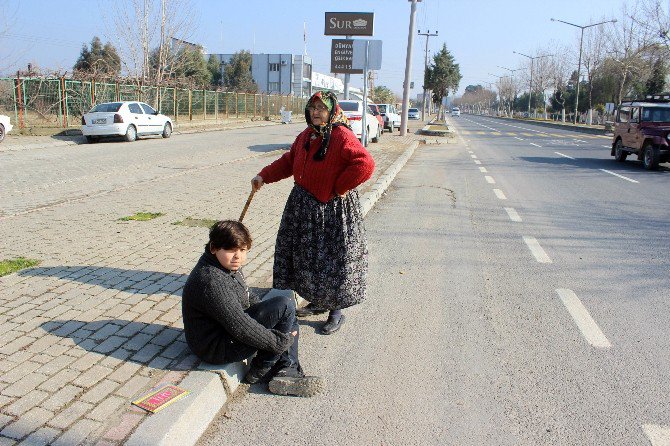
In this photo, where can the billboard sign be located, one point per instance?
(341, 57)
(349, 23)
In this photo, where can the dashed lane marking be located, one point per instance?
(564, 155)
(513, 214)
(473, 156)
(536, 145)
(489, 179)
(477, 162)
(500, 194)
(620, 176)
(537, 251)
(586, 324)
(520, 139)
(483, 169)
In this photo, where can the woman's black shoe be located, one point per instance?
(332, 325)
(309, 310)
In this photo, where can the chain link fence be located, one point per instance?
(60, 103)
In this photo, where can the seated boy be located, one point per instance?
(224, 322)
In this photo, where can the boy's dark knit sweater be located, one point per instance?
(213, 304)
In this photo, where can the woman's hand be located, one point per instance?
(256, 183)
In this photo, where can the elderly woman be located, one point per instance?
(321, 250)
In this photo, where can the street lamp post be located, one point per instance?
(581, 41)
(425, 70)
(530, 87)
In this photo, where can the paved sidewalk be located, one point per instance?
(14, 141)
(98, 322)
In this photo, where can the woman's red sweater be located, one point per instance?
(346, 165)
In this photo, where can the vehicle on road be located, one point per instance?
(413, 113)
(455, 111)
(129, 119)
(642, 128)
(353, 110)
(5, 126)
(390, 115)
(374, 109)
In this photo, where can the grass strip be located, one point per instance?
(13, 265)
(142, 216)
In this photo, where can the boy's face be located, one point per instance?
(231, 259)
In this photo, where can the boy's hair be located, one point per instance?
(229, 234)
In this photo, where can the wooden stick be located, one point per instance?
(246, 206)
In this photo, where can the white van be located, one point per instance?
(455, 111)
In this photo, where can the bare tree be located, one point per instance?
(143, 27)
(594, 54)
(630, 41)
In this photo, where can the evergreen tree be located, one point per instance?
(237, 73)
(192, 67)
(656, 82)
(383, 95)
(214, 68)
(99, 60)
(443, 75)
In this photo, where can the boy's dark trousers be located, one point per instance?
(277, 312)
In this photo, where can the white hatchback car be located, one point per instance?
(5, 126)
(353, 110)
(129, 119)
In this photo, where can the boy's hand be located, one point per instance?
(256, 183)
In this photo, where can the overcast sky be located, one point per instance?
(480, 34)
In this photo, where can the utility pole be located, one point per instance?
(408, 69)
(425, 70)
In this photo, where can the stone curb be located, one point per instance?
(212, 386)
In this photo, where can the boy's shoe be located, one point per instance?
(332, 325)
(257, 374)
(304, 386)
(309, 310)
(290, 372)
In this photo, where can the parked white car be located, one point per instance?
(353, 110)
(5, 126)
(390, 115)
(129, 119)
(455, 111)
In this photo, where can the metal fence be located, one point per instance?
(40, 102)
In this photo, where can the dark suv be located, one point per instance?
(642, 128)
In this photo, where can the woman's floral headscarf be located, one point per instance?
(335, 117)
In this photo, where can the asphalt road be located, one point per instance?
(517, 296)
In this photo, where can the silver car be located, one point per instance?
(413, 113)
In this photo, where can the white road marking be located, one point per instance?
(489, 179)
(620, 176)
(536, 250)
(583, 319)
(483, 169)
(607, 147)
(563, 155)
(500, 194)
(658, 435)
(513, 215)
(536, 145)
(520, 139)
(477, 162)
(473, 156)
